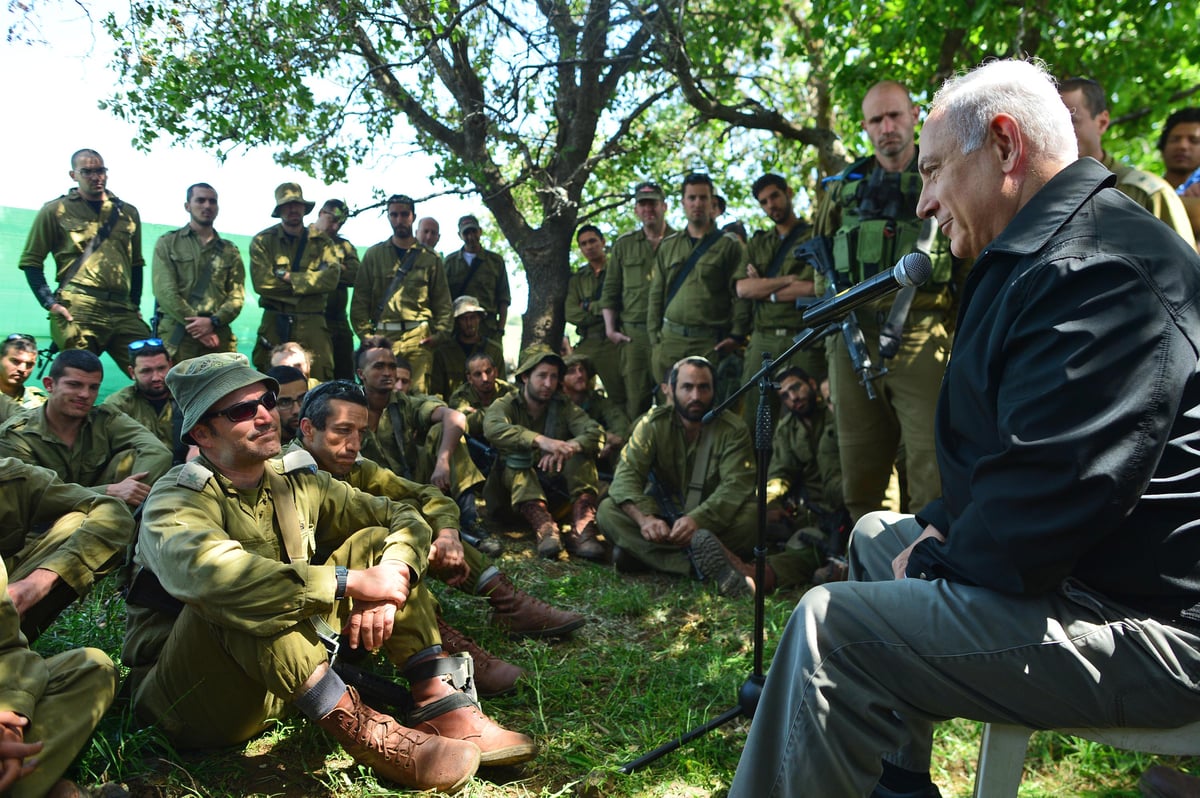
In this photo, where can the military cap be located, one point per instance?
(467, 223)
(467, 304)
(648, 190)
(534, 356)
(199, 383)
(576, 357)
(290, 192)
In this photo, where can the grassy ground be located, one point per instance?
(659, 657)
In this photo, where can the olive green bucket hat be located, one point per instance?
(200, 382)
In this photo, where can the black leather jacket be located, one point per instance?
(1068, 425)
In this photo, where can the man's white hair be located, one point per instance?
(1023, 90)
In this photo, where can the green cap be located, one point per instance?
(290, 192)
(200, 382)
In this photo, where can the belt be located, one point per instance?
(95, 293)
(780, 332)
(399, 326)
(285, 310)
(692, 331)
(633, 325)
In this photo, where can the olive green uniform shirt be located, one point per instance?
(806, 457)
(760, 251)
(605, 412)
(510, 426)
(450, 364)
(582, 306)
(658, 442)
(346, 254)
(399, 442)
(33, 498)
(221, 550)
(488, 284)
(422, 296)
(64, 227)
(195, 279)
(315, 277)
(630, 271)
(107, 435)
(467, 400)
(32, 397)
(1154, 194)
(707, 297)
(131, 402)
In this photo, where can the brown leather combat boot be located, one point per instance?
(521, 615)
(411, 758)
(493, 676)
(445, 709)
(732, 576)
(581, 540)
(544, 526)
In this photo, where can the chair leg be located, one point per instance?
(1001, 760)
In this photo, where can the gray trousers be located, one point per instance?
(866, 667)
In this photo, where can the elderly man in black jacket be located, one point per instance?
(1056, 582)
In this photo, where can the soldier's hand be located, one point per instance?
(654, 529)
(725, 345)
(618, 338)
(900, 564)
(441, 476)
(130, 490)
(211, 340)
(198, 326)
(14, 751)
(682, 530)
(751, 271)
(60, 310)
(446, 558)
(387, 581)
(32, 589)
(370, 624)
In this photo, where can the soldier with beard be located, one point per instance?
(148, 401)
(697, 518)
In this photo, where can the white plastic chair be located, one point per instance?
(1002, 751)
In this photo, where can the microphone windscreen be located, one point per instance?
(913, 269)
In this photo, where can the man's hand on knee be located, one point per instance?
(370, 624)
(14, 751)
(900, 563)
(29, 591)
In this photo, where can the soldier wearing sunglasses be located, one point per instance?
(258, 563)
(18, 356)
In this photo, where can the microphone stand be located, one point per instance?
(764, 423)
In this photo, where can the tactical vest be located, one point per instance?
(879, 222)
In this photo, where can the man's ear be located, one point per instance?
(1007, 142)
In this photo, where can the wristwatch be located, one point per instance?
(341, 573)
(216, 323)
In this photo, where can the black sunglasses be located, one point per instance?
(244, 411)
(21, 337)
(137, 346)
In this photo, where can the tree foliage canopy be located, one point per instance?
(550, 110)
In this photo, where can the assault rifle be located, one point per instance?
(668, 507)
(819, 253)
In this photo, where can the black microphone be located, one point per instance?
(913, 269)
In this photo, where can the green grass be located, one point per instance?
(659, 657)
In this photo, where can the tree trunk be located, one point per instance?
(546, 255)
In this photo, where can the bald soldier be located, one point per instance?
(246, 568)
(95, 239)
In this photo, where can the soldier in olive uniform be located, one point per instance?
(418, 436)
(547, 445)
(691, 308)
(450, 359)
(775, 279)
(49, 707)
(401, 293)
(333, 424)
(579, 385)
(247, 566)
(869, 212)
(697, 517)
(330, 218)
(57, 540)
(1086, 101)
(147, 401)
(97, 447)
(199, 282)
(18, 356)
(624, 300)
(582, 308)
(295, 269)
(478, 272)
(95, 239)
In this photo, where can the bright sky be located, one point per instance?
(51, 94)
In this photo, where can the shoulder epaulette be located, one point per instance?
(193, 476)
(298, 460)
(1142, 180)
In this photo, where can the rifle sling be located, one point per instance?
(695, 491)
(406, 264)
(101, 236)
(286, 516)
(690, 264)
